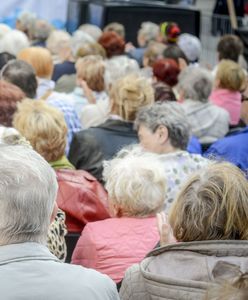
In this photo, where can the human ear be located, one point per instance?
(163, 134)
(54, 212)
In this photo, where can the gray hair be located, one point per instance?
(170, 115)
(118, 67)
(58, 39)
(28, 188)
(94, 31)
(40, 30)
(79, 39)
(149, 31)
(13, 42)
(196, 83)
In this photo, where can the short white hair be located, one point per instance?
(118, 67)
(136, 183)
(79, 39)
(28, 189)
(94, 31)
(13, 42)
(149, 31)
(58, 39)
(4, 29)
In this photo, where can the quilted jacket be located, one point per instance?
(181, 271)
(111, 246)
(82, 198)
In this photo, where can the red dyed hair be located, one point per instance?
(112, 43)
(166, 70)
(9, 96)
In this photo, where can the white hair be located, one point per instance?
(79, 39)
(94, 31)
(149, 31)
(13, 42)
(118, 67)
(4, 29)
(28, 188)
(58, 39)
(136, 183)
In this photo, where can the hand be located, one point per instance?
(87, 91)
(129, 46)
(164, 229)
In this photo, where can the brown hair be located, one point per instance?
(213, 205)
(130, 93)
(230, 47)
(40, 59)
(10, 95)
(91, 49)
(91, 69)
(43, 126)
(230, 75)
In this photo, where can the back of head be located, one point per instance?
(9, 96)
(40, 30)
(230, 75)
(130, 93)
(191, 46)
(230, 47)
(153, 52)
(94, 31)
(22, 75)
(112, 43)
(148, 32)
(166, 70)
(78, 40)
(4, 58)
(43, 126)
(213, 205)
(169, 115)
(13, 42)
(91, 69)
(57, 39)
(195, 83)
(115, 27)
(136, 184)
(174, 52)
(91, 49)
(40, 59)
(28, 189)
(25, 21)
(118, 67)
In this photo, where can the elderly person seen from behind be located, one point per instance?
(136, 186)
(28, 188)
(209, 219)
(208, 122)
(163, 129)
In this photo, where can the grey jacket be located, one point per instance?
(29, 271)
(181, 271)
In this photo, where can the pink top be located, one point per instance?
(112, 245)
(230, 101)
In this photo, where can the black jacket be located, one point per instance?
(90, 147)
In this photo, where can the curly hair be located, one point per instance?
(43, 126)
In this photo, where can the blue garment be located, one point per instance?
(66, 67)
(194, 146)
(233, 148)
(71, 118)
(137, 54)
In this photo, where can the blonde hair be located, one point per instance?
(213, 205)
(130, 93)
(43, 126)
(230, 75)
(136, 185)
(91, 69)
(91, 49)
(40, 59)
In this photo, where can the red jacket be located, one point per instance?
(82, 198)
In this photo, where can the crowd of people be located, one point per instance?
(123, 167)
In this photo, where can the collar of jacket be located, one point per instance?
(114, 124)
(24, 251)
